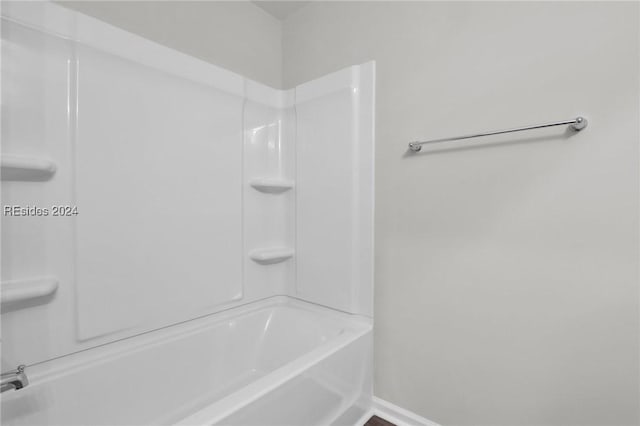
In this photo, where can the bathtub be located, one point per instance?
(280, 361)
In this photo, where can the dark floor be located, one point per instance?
(377, 421)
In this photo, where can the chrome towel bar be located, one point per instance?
(576, 124)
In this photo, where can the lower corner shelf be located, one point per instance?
(271, 185)
(23, 290)
(22, 168)
(270, 256)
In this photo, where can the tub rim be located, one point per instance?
(50, 370)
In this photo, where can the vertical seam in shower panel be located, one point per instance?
(296, 188)
(280, 124)
(73, 113)
(371, 132)
(242, 189)
(294, 157)
(355, 199)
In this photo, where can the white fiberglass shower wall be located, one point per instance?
(212, 261)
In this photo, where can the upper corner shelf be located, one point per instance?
(271, 185)
(22, 168)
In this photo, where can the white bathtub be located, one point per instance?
(280, 361)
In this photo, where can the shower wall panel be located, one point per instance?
(192, 189)
(158, 177)
(36, 250)
(147, 143)
(268, 191)
(334, 208)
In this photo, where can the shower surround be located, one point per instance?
(213, 262)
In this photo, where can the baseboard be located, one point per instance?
(398, 415)
(365, 418)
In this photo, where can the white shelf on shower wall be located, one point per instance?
(23, 168)
(23, 290)
(268, 256)
(271, 185)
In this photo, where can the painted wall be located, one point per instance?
(236, 35)
(506, 269)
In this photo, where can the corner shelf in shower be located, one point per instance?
(268, 256)
(271, 185)
(24, 290)
(23, 168)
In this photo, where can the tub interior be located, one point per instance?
(183, 369)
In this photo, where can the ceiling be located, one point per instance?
(280, 9)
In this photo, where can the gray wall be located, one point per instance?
(506, 269)
(236, 35)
